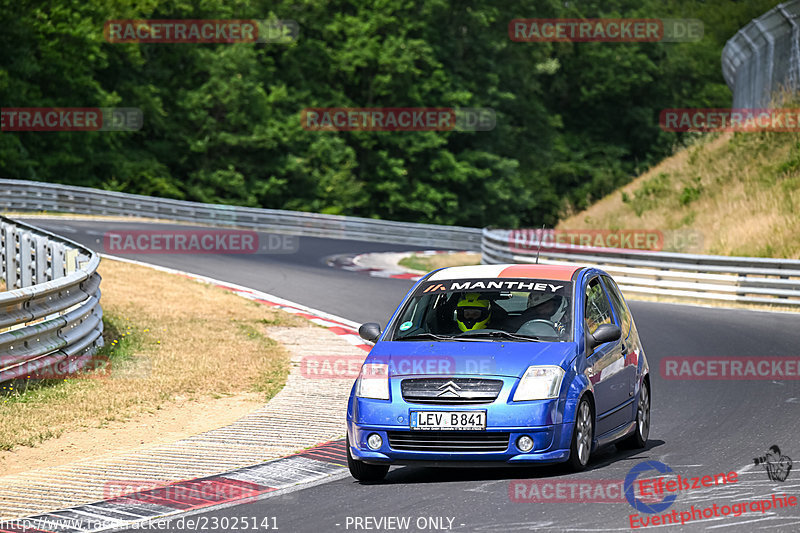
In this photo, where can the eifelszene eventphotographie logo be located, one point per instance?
(776, 464)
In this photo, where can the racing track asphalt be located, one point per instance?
(301, 277)
(698, 427)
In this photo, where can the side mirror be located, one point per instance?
(372, 330)
(604, 333)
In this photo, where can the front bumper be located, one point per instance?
(542, 420)
(510, 456)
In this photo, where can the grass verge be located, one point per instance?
(739, 192)
(168, 339)
(427, 262)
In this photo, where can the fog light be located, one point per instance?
(374, 441)
(525, 443)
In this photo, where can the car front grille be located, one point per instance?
(448, 441)
(450, 391)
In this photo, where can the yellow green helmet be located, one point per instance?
(473, 312)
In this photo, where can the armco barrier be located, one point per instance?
(698, 277)
(20, 195)
(50, 314)
(764, 57)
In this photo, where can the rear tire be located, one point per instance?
(361, 470)
(580, 448)
(638, 439)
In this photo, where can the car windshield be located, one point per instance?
(524, 310)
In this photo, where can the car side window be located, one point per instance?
(598, 310)
(619, 305)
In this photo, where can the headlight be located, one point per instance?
(539, 383)
(373, 381)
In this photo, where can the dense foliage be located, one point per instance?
(222, 121)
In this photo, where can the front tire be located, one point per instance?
(638, 439)
(581, 446)
(361, 470)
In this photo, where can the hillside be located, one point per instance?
(740, 192)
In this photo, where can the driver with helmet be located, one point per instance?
(476, 311)
(473, 311)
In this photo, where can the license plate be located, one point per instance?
(448, 420)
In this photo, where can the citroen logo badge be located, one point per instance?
(449, 388)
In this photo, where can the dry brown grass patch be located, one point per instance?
(741, 192)
(170, 339)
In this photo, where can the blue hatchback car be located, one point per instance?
(495, 365)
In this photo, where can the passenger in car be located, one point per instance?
(550, 307)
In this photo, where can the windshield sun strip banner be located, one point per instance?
(489, 285)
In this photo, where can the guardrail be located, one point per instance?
(704, 277)
(50, 315)
(764, 57)
(20, 195)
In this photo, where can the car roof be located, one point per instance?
(555, 272)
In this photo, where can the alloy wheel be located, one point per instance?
(584, 429)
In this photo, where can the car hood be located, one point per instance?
(495, 358)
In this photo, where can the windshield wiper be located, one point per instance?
(502, 334)
(421, 336)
